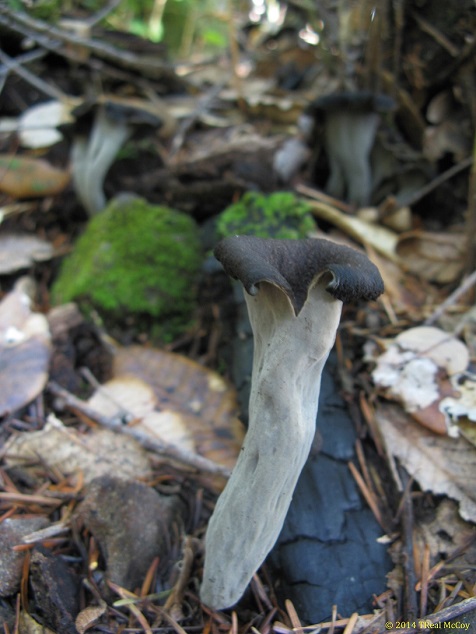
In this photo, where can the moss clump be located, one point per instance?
(279, 215)
(135, 262)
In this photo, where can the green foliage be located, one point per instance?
(135, 260)
(48, 10)
(279, 215)
(182, 25)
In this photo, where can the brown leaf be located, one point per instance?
(89, 616)
(25, 177)
(100, 452)
(415, 369)
(24, 351)
(440, 464)
(21, 251)
(203, 401)
(438, 257)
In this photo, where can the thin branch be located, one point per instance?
(439, 180)
(464, 287)
(53, 38)
(15, 66)
(173, 452)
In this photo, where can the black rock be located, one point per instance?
(327, 553)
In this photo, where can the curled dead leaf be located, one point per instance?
(21, 251)
(440, 464)
(25, 350)
(437, 257)
(86, 456)
(90, 616)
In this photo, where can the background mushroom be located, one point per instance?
(101, 129)
(295, 290)
(350, 121)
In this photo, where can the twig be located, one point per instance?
(425, 569)
(173, 605)
(26, 498)
(433, 32)
(471, 214)
(410, 599)
(183, 456)
(445, 615)
(203, 105)
(125, 594)
(436, 182)
(52, 38)
(367, 493)
(102, 13)
(464, 287)
(293, 617)
(15, 66)
(319, 195)
(349, 628)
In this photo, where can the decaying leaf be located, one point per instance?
(188, 397)
(461, 411)
(90, 616)
(25, 350)
(380, 238)
(415, 370)
(260, 98)
(133, 399)
(438, 257)
(100, 452)
(444, 533)
(25, 177)
(440, 464)
(21, 251)
(38, 125)
(28, 625)
(407, 294)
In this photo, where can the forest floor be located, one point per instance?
(84, 478)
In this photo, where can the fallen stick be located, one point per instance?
(183, 456)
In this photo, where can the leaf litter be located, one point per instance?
(173, 404)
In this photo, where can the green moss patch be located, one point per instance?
(135, 260)
(279, 215)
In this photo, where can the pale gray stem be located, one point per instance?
(91, 159)
(349, 139)
(289, 355)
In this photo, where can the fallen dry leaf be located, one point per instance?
(25, 177)
(21, 251)
(100, 452)
(186, 391)
(383, 240)
(440, 464)
(38, 125)
(134, 399)
(415, 370)
(438, 257)
(25, 350)
(461, 411)
(90, 616)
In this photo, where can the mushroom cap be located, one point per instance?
(362, 101)
(293, 265)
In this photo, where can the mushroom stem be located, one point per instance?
(289, 355)
(349, 140)
(91, 159)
